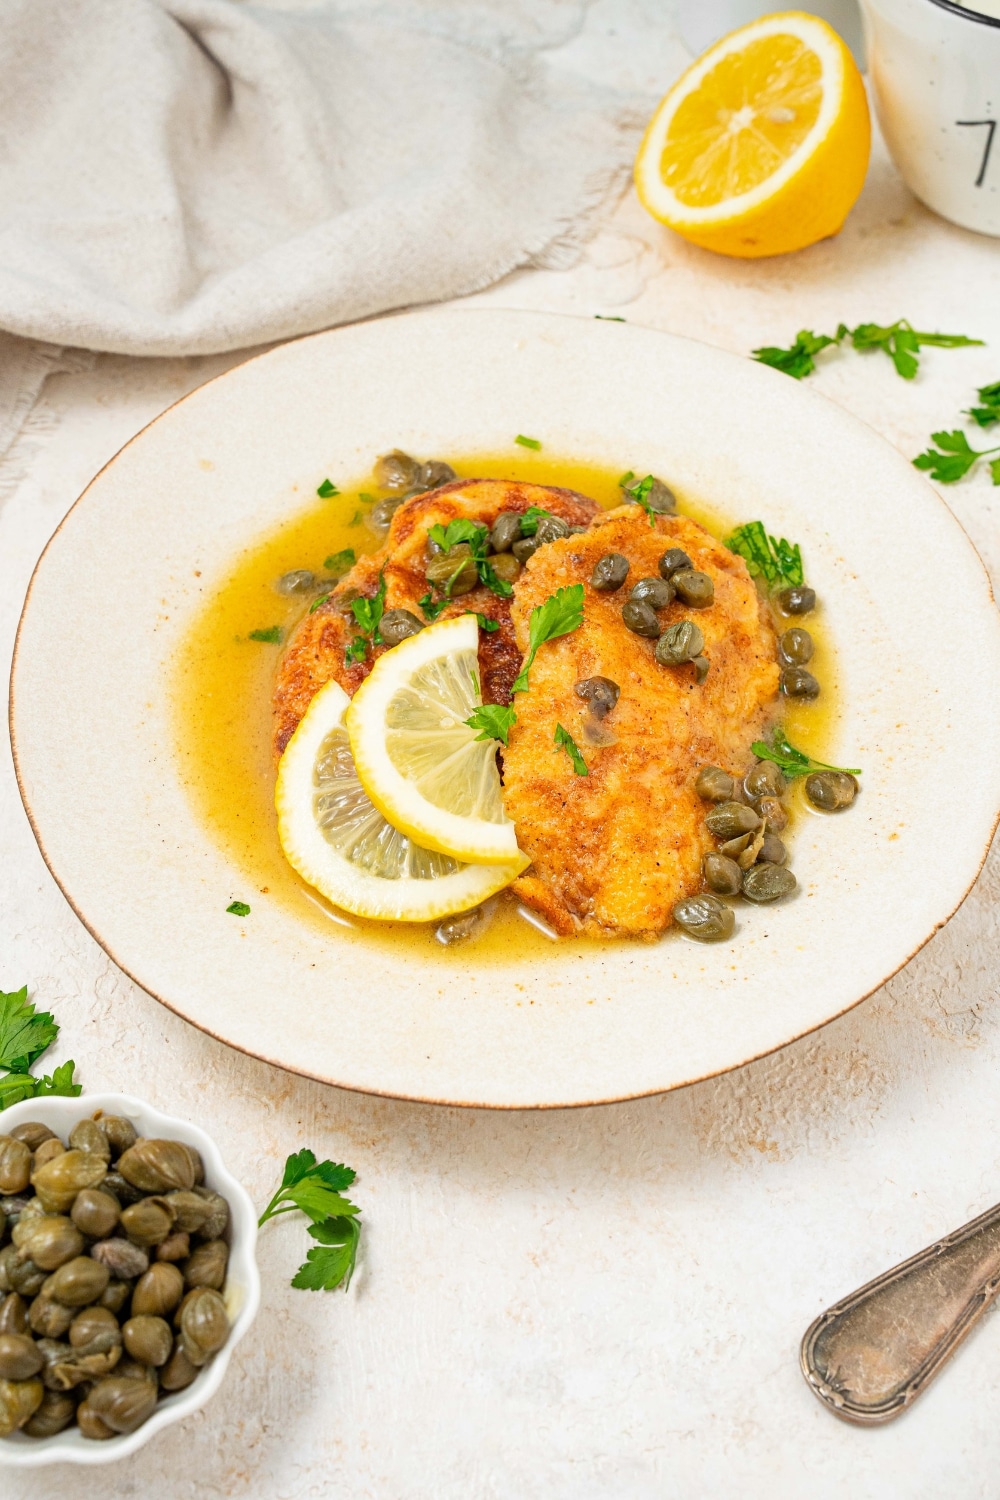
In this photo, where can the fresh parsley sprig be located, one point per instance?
(530, 519)
(989, 412)
(640, 494)
(775, 560)
(462, 530)
(790, 761)
(954, 456)
(25, 1033)
(565, 741)
(561, 613)
(315, 1187)
(899, 340)
(798, 360)
(368, 616)
(493, 720)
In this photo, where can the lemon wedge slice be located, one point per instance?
(420, 763)
(341, 844)
(762, 145)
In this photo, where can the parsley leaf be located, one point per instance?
(530, 519)
(239, 909)
(272, 635)
(430, 609)
(528, 442)
(988, 413)
(327, 490)
(356, 519)
(565, 741)
(356, 651)
(797, 360)
(792, 762)
(493, 720)
(314, 606)
(561, 613)
(485, 621)
(59, 1082)
(24, 1032)
(338, 563)
(369, 612)
(315, 1188)
(326, 1269)
(607, 318)
(626, 479)
(901, 342)
(953, 457)
(778, 562)
(459, 530)
(640, 494)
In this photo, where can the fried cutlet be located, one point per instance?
(315, 652)
(613, 851)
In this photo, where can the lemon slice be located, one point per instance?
(762, 145)
(420, 763)
(340, 844)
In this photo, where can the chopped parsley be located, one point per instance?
(339, 563)
(484, 621)
(640, 494)
(530, 519)
(314, 606)
(356, 651)
(430, 609)
(901, 342)
(565, 741)
(462, 530)
(239, 909)
(368, 612)
(327, 490)
(779, 563)
(528, 442)
(356, 519)
(25, 1033)
(989, 412)
(607, 318)
(790, 761)
(561, 613)
(954, 456)
(315, 1188)
(626, 479)
(493, 721)
(272, 635)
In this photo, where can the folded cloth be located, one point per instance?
(190, 176)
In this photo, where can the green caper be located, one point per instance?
(46, 1152)
(679, 643)
(190, 1210)
(600, 693)
(795, 647)
(13, 1314)
(177, 1246)
(731, 819)
(59, 1180)
(54, 1412)
(398, 625)
(178, 1371)
(19, 1357)
(121, 1133)
(610, 572)
(772, 850)
(90, 1424)
(95, 1213)
(722, 875)
(773, 810)
(551, 529)
(115, 1295)
(78, 1282)
(660, 497)
(215, 1225)
(48, 1241)
(297, 581)
(798, 682)
(714, 785)
(831, 790)
(656, 592)
(764, 780)
(207, 1265)
(15, 1165)
(767, 882)
(91, 1324)
(525, 547)
(796, 601)
(702, 667)
(396, 470)
(434, 473)
(49, 1319)
(381, 514)
(672, 561)
(203, 1324)
(693, 588)
(87, 1135)
(453, 572)
(123, 1191)
(753, 848)
(157, 1166)
(641, 619)
(733, 847)
(705, 917)
(24, 1276)
(506, 530)
(33, 1133)
(158, 1291)
(19, 1400)
(148, 1339)
(121, 1403)
(506, 566)
(123, 1258)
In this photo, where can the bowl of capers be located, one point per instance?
(127, 1276)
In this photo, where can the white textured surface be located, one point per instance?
(604, 1303)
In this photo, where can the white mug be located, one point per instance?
(935, 71)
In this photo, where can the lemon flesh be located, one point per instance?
(340, 843)
(422, 766)
(762, 145)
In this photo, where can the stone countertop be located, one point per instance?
(602, 1302)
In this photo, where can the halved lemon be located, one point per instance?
(762, 145)
(341, 844)
(423, 767)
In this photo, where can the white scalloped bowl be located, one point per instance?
(242, 1290)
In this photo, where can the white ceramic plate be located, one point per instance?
(114, 593)
(242, 1290)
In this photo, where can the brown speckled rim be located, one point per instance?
(135, 976)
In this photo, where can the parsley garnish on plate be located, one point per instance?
(989, 412)
(777, 561)
(314, 1187)
(484, 621)
(272, 635)
(901, 342)
(530, 519)
(528, 442)
(462, 530)
(339, 563)
(430, 608)
(327, 490)
(356, 651)
(238, 909)
(314, 606)
(25, 1033)
(954, 456)
(493, 721)
(790, 761)
(368, 612)
(565, 741)
(561, 613)
(640, 493)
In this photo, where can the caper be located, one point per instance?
(15, 1165)
(46, 1152)
(49, 1319)
(48, 1241)
(19, 1400)
(693, 587)
(396, 470)
(729, 820)
(158, 1291)
(207, 1265)
(95, 1212)
(381, 514)
(434, 473)
(123, 1258)
(600, 692)
(764, 780)
(610, 572)
(551, 529)
(753, 848)
(773, 810)
(13, 1314)
(148, 1222)
(215, 1225)
(458, 929)
(115, 1295)
(13, 1205)
(705, 918)
(795, 647)
(123, 1191)
(90, 1424)
(91, 1324)
(203, 1324)
(121, 1403)
(58, 1181)
(19, 1357)
(157, 1166)
(679, 643)
(797, 682)
(178, 1372)
(24, 1276)
(54, 1412)
(121, 1133)
(298, 581)
(641, 619)
(722, 875)
(831, 790)
(190, 1209)
(659, 497)
(714, 785)
(702, 667)
(525, 547)
(796, 601)
(772, 850)
(506, 530)
(768, 883)
(398, 625)
(176, 1246)
(672, 561)
(148, 1339)
(78, 1282)
(87, 1135)
(453, 572)
(655, 592)
(506, 566)
(33, 1133)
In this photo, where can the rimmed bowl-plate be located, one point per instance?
(114, 594)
